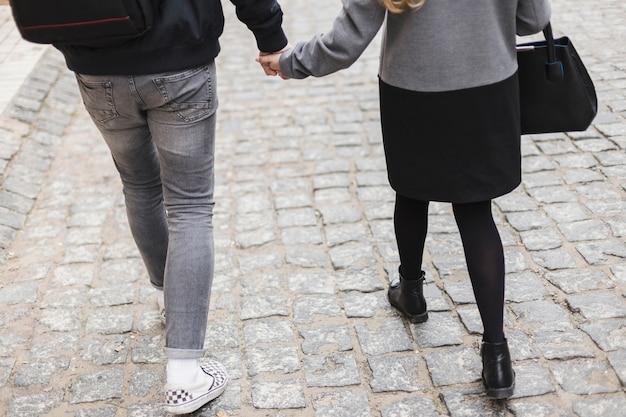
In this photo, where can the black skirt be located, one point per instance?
(458, 146)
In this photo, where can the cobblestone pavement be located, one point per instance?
(305, 250)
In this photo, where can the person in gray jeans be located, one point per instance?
(154, 101)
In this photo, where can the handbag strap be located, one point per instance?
(554, 68)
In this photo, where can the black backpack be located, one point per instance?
(95, 23)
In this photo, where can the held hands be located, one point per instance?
(270, 62)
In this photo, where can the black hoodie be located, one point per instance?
(184, 35)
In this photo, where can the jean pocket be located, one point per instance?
(98, 99)
(189, 94)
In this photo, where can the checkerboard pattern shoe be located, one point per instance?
(187, 399)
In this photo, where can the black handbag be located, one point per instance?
(556, 92)
(83, 22)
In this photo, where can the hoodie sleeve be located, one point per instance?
(264, 18)
(532, 16)
(325, 53)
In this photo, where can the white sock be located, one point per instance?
(182, 371)
(160, 298)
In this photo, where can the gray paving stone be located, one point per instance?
(543, 315)
(110, 321)
(584, 230)
(532, 409)
(113, 295)
(455, 365)
(144, 381)
(326, 340)
(58, 320)
(278, 394)
(357, 254)
(39, 373)
(103, 385)
(520, 345)
(254, 238)
(269, 330)
(264, 306)
(73, 274)
(97, 412)
(566, 212)
(379, 211)
(524, 286)
(108, 351)
(148, 349)
(409, 407)
(307, 257)
(339, 214)
(396, 374)
(563, 345)
(460, 291)
(466, 403)
(389, 336)
(585, 377)
(221, 335)
(331, 371)
(343, 233)
(618, 362)
(307, 308)
(319, 282)
(342, 404)
(554, 259)
(441, 329)
(598, 305)
(528, 220)
(435, 299)
(332, 196)
(259, 283)
(572, 281)
(612, 406)
(601, 252)
(296, 217)
(19, 293)
(602, 208)
(308, 235)
(541, 239)
(608, 335)
(550, 195)
(361, 279)
(6, 368)
(357, 304)
(273, 358)
(34, 405)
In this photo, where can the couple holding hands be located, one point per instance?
(449, 105)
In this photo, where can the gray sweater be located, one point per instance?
(446, 45)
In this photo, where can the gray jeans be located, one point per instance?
(160, 129)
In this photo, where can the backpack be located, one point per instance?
(95, 23)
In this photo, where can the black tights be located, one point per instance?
(483, 253)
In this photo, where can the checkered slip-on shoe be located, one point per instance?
(187, 399)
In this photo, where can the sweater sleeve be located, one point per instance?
(325, 53)
(264, 18)
(532, 16)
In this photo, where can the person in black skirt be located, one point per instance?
(449, 102)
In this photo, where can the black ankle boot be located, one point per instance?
(408, 297)
(498, 374)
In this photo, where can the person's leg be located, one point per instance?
(123, 125)
(182, 121)
(410, 221)
(485, 263)
(410, 224)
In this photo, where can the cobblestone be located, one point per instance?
(305, 250)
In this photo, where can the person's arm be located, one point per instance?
(532, 16)
(325, 53)
(264, 18)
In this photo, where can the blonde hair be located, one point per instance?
(399, 6)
